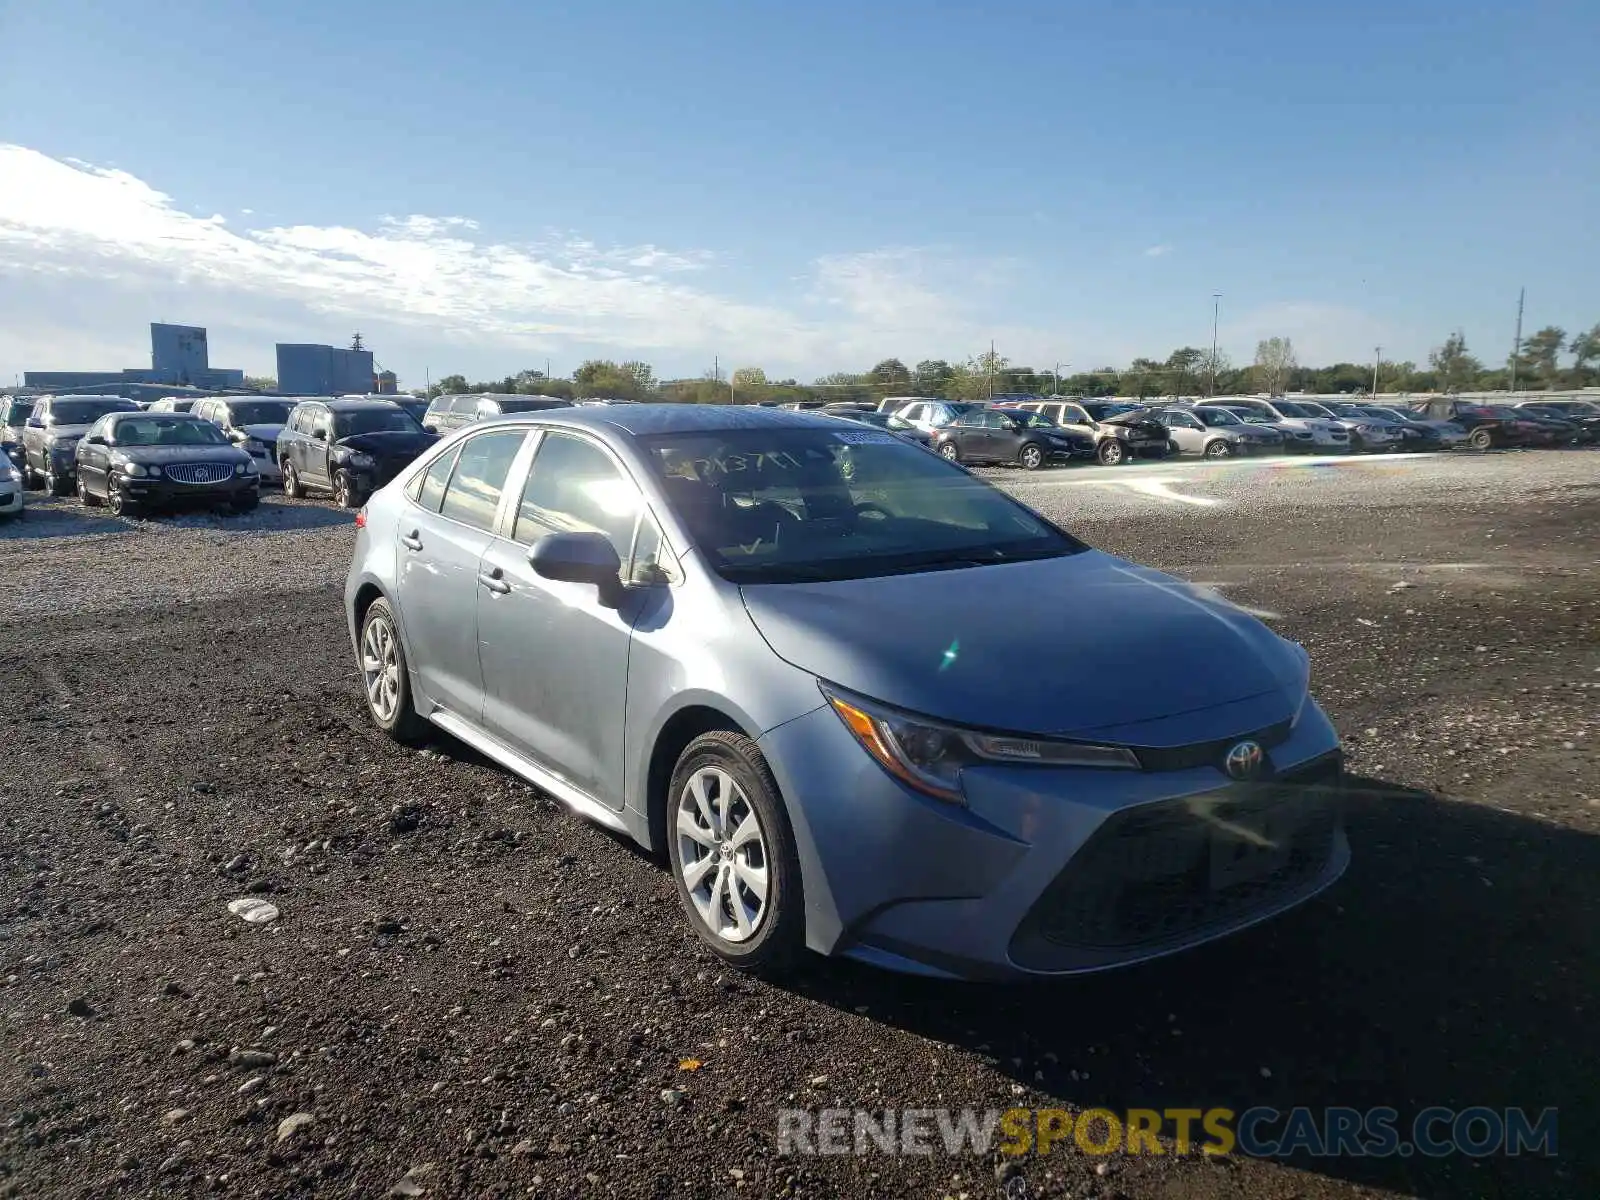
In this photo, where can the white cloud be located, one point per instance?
(1157, 251)
(103, 243)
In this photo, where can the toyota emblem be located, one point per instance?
(1243, 760)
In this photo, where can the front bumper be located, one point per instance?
(11, 498)
(160, 492)
(1053, 871)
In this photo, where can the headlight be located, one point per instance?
(359, 460)
(245, 468)
(134, 468)
(930, 756)
(7, 471)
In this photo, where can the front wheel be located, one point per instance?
(1031, 458)
(85, 496)
(345, 492)
(384, 677)
(733, 854)
(1219, 449)
(119, 504)
(1480, 439)
(54, 484)
(949, 452)
(291, 481)
(1112, 452)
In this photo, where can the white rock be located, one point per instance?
(257, 912)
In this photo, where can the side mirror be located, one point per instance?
(320, 435)
(35, 423)
(579, 558)
(94, 439)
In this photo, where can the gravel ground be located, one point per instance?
(471, 993)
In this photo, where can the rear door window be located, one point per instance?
(427, 489)
(473, 494)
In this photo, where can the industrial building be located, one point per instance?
(306, 370)
(179, 357)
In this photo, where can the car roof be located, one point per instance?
(642, 420)
(340, 406)
(146, 414)
(83, 396)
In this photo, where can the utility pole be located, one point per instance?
(1377, 357)
(1216, 311)
(1516, 344)
(991, 368)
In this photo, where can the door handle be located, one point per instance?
(495, 581)
(411, 541)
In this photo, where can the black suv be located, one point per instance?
(350, 448)
(50, 436)
(133, 461)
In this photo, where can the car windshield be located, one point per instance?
(173, 430)
(374, 420)
(789, 505)
(1217, 416)
(81, 412)
(261, 412)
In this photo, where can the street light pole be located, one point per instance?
(1216, 311)
(1377, 357)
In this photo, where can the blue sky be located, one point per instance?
(481, 185)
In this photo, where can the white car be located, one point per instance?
(928, 415)
(11, 489)
(1367, 432)
(252, 423)
(1328, 436)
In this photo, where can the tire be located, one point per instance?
(246, 502)
(119, 504)
(291, 482)
(85, 497)
(1111, 452)
(345, 492)
(769, 941)
(389, 703)
(949, 452)
(1218, 449)
(1031, 457)
(1481, 439)
(51, 482)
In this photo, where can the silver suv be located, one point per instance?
(670, 617)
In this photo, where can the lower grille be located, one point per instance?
(198, 472)
(1172, 870)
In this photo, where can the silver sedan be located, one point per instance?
(672, 618)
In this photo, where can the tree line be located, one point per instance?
(1546, 360)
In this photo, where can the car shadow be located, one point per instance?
(65, 516)
(1457, 963)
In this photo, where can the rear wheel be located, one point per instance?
(54, 484)
(85, 496)
(1480, 439)
(1112, 452)
(733, 854)
(949, 452)
(291, 481)
(384, 678)
(1031, 457)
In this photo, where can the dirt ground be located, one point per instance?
(471, 993)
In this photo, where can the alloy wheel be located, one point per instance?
(380, 668)
(1032, 458)
(722, 850)
(948, 452)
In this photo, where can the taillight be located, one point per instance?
(361, 517)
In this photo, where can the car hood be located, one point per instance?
(389, 443)
(64, 432)
(262, 432)
(1137, 420)
(1322, 423)
(1081, 643)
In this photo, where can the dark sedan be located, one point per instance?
(136, 461)
(997, 435)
